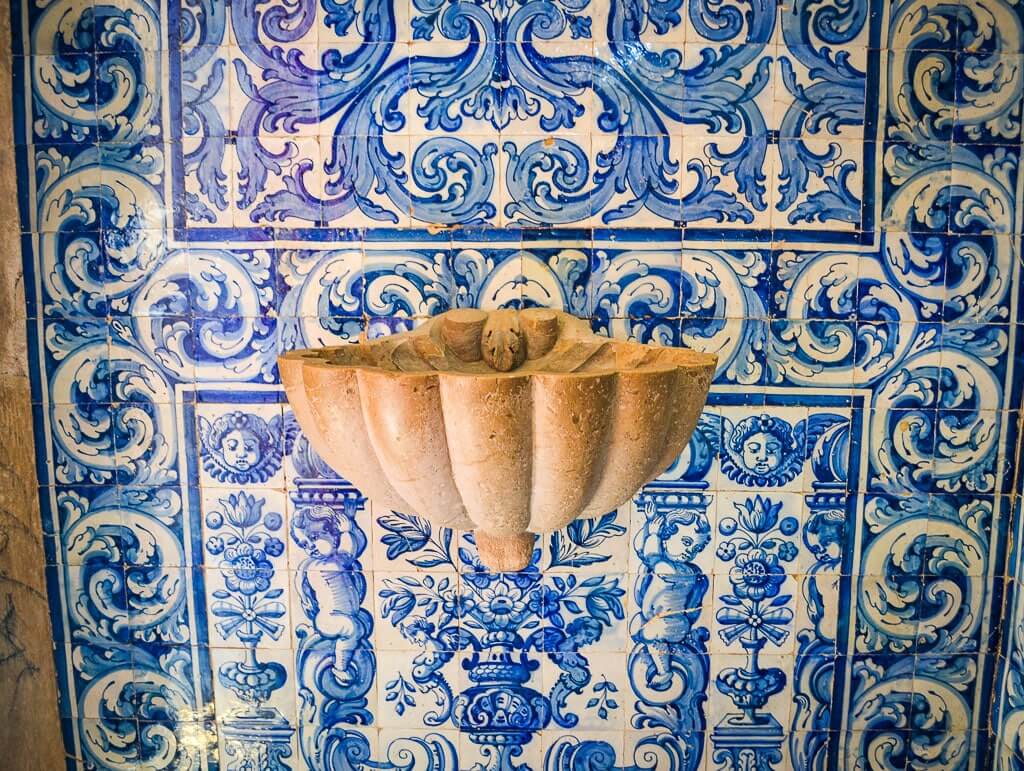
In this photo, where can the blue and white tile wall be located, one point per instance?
(824, 192)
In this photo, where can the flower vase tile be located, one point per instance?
(508, 423)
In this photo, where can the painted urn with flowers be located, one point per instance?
(509, 423)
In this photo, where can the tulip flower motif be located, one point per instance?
(755, 613)
(241, 534)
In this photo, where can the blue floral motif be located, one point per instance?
(757, 575)
(578, 545)
(505, 620)
(754, 614)
(248, 569)
(244, 542)
(755, 545)
(603, 701)
(249, 609)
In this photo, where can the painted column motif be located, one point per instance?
(668, 664)
(759, 541)
(828, 511)
(335, 663)
(244, 538)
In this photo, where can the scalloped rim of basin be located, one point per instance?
(509, 423)
(571, 328)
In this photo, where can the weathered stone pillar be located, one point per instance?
(30, 735)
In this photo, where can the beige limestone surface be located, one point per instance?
(509, 423)
(29, 727)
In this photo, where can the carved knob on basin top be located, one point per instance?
(502, 339)
(503, 344)
(462, 331)
(508, 423)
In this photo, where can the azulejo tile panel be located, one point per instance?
(826, 194)
(442, 114)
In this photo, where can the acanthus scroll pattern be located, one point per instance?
(919, 323)
(333, 120)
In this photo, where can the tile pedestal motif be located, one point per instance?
(823, 193)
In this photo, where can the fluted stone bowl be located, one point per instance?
(508, 423)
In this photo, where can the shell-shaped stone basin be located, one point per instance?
(508, 423)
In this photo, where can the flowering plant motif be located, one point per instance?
(757, 575)
(755, 610)
(242, 534)
(754, 613)
(500, 605)
(501, 619)
(577, 545)
(603, 699)
(249, 569)
(244, 539)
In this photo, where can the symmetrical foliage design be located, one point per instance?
(593, 123)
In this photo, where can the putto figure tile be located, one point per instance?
(242, 447)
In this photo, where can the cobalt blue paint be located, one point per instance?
(825, 194)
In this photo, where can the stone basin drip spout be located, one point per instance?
(508, 423)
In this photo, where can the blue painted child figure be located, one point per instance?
(329, 586)
(669, 594)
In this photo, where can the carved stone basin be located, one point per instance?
(509, 423)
